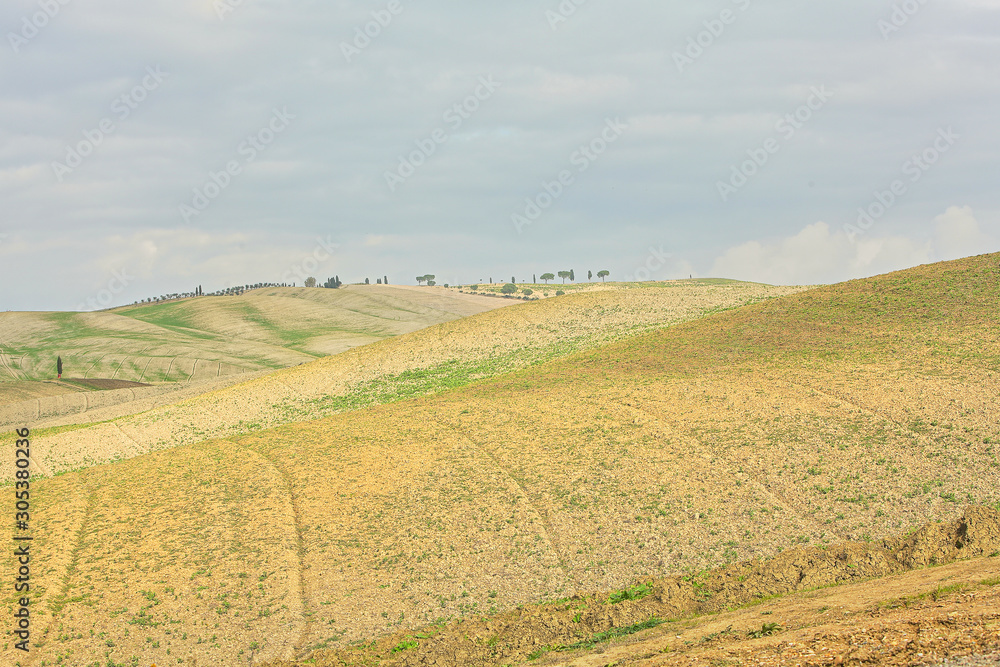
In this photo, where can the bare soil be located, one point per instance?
(908, 610)
(25, 391)
(100, 384)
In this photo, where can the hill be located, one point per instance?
(210, 337)
(850, 412)
(447, 355)
(193, 346)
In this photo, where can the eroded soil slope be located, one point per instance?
(903, 614)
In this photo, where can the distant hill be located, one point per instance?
(211, 337)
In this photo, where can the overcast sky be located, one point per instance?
(147, 147)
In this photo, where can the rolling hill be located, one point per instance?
(184, 348)
(211, 337)
(437, 357)
(849, 412)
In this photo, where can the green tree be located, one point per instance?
(564, 275)
(547, 277)
(603, 274)
(509, 288)
(572, 276)
(59, 366)
(421, 279)
(590, 275)
(431, 283)
(310, 282)
(528, 292)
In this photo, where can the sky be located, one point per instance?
(147, 148)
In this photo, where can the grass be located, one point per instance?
(766, 630)
(636, 592)
(600, 637)
(405, 646)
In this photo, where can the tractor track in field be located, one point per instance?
(545, 530)
(845, 400)
(70, 569)
(299, 582)
(765, 488)
(7, 366)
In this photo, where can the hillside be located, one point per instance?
(210, 337)
(180, 349)
(447, 355)
(850, 412)
(911, 600)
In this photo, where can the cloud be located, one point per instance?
(816, 255)
(353, 119)
(958, 234)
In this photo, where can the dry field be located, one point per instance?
(211, 337)
(932, 595)
(850, 412)
(438, 357)
(24, 391)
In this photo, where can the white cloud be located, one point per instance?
(958, 234)
(324, 176)
(816, 255)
